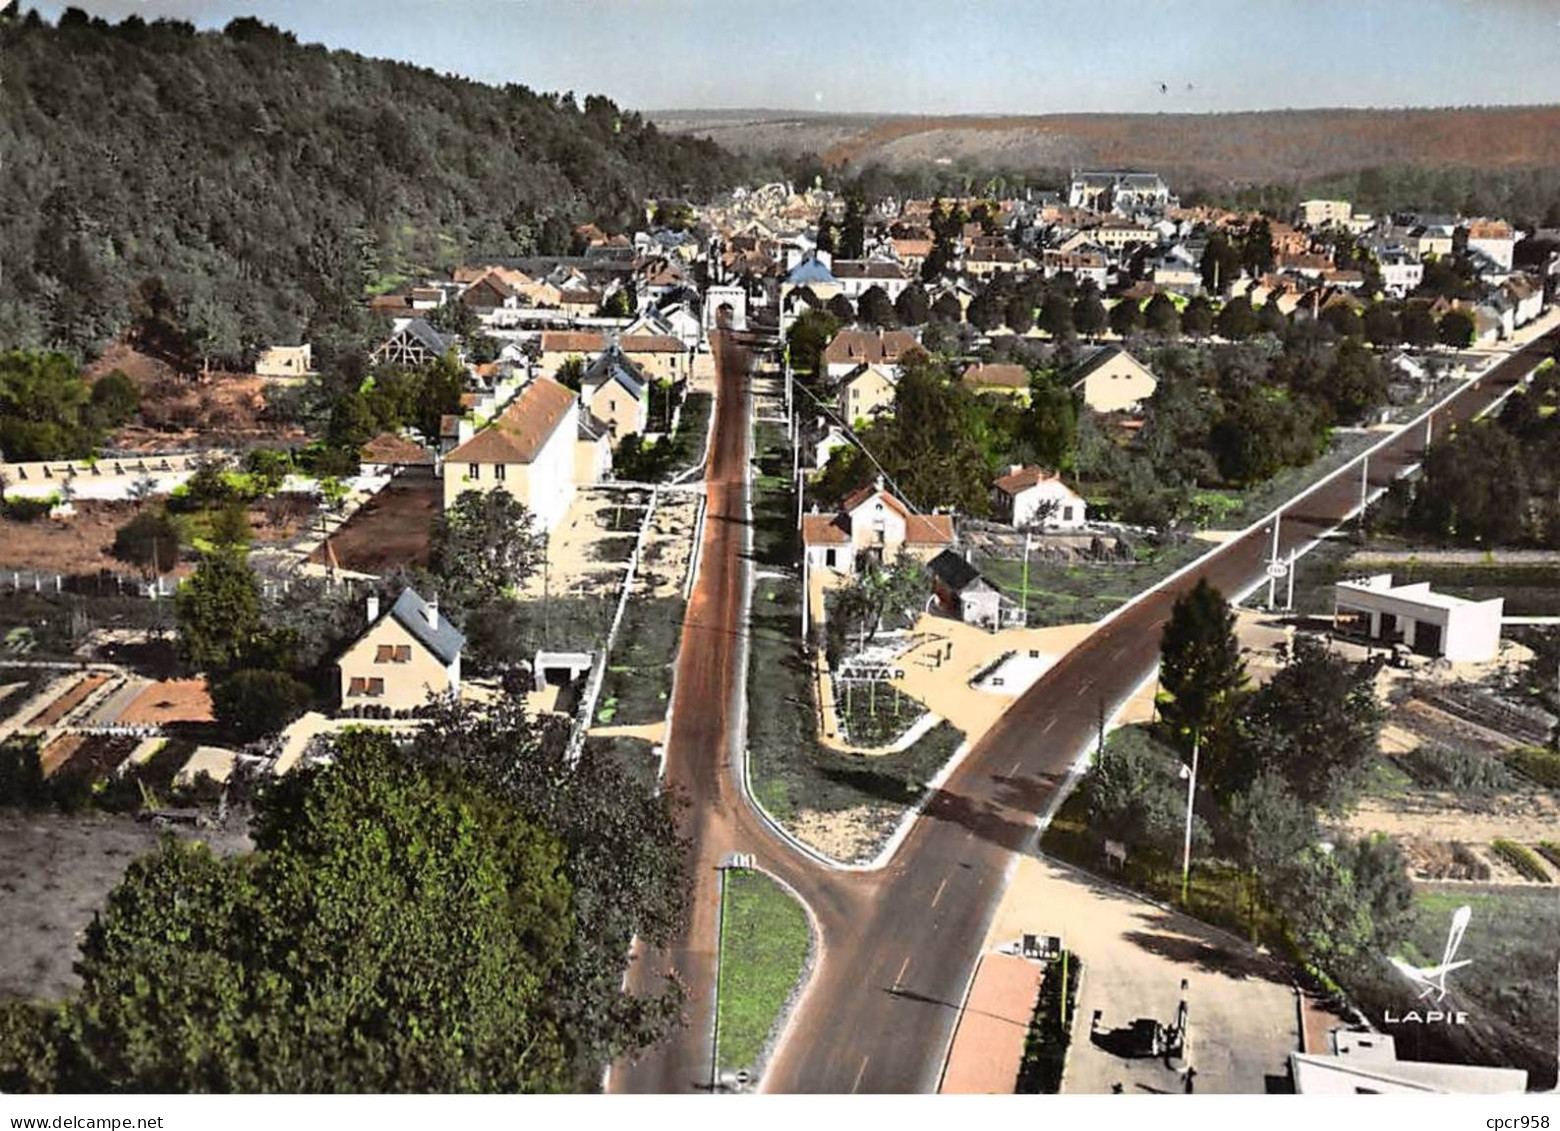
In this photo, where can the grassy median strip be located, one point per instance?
(764, 940)
(793, 773)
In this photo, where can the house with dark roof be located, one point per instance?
(849, 349)
(404, 658)
(1111, 380)
(617, 392)
(962, 592)
(528, 450)
(412, 342)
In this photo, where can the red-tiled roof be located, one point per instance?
(521, 429)
(573, 341)
(649, 343)
(823, 530)
(388, 448)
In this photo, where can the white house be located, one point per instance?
(1495, 239)
(1028, 497)
(1433, 624)
(826, 446)
(872, 521)
(1401, 270)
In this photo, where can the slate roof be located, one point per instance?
(610, 366)
(953, 571)
(810, 270)
(411, 613)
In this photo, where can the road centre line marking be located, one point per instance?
(903, 966)
(935, 898)
(860, 1072)
(1014, 770)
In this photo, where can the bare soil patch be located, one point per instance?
(218, 408)
(55, 871)
(170, 701)
(390, 530)
(67, 702)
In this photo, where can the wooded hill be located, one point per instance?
(268, 183)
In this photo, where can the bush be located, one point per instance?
(1520, 857)
(21, 773)
(1045, 1048)
(1455, 769)
(1543, 766)
(252, 704)
(27, 510)
(1550, 850)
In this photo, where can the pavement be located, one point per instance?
(1244, 1021)
(898, 942)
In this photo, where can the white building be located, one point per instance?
(1321, 213)
(1433, 624)
(1401, 271)
(1029, 497)
(1367, 1064)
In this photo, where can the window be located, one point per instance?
(498, 472)
(828, 558)
(474, 471)
(384, 653)
(403, 653)
(376, 686)
(1067, 514)
(357, 686)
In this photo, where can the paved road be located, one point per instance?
(898, 943)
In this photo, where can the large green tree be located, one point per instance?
(219, 613)
(484, 546)
(1316, 724)
(1201, 673)
(398, 929)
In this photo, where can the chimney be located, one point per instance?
(431, 612)
(372, 607)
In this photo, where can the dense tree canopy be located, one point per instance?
(299, 177)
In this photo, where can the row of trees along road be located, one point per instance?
(1274, 763)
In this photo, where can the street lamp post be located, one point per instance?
(1191, 794)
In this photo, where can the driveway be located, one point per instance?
(1243, 1023)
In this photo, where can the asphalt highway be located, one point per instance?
(899, 943)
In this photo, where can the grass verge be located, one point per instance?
(1065, 593)
(1508, 991)
(638, 680)
(792, 772)
(764, 940)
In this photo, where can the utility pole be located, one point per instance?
(1025, 589)
(1273, 560)
(1191, 794)
(1364, 488)
(1289, 599)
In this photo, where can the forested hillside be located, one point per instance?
(267, 183)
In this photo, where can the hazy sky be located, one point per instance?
(947, 56)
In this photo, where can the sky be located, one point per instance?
(945, 56)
